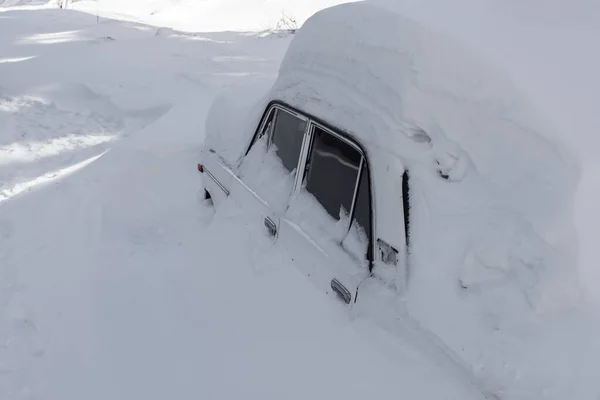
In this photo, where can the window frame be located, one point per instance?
(301, 168)
(301, 178)
(274, 108)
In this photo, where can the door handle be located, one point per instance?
(341, 290)
(271, 226)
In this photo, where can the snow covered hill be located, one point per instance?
(117, 281)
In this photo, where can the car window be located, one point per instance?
(287, 136)
(335, 174)
(338, 178)
(332, 172)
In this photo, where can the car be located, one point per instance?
(315, 180)
(365, 97)
(315, 192)
(382, 145)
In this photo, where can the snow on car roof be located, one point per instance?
(392, 82)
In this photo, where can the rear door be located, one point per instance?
(328, 223)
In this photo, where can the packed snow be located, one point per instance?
(118, 280)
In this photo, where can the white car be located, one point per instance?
(314, 176)
(374, 127)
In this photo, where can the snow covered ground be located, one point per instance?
(118, 282)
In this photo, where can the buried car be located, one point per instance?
(386, 158)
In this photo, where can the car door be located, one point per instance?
(327, 225)
(268, 172)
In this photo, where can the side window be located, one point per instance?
(333, 173)
(287, 136)
(338, 177)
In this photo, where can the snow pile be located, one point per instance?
(494, 253)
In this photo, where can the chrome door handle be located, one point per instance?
(271, 227)
(341, 290)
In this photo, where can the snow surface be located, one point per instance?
(117, 281)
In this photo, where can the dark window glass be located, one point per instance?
(333, 172)
(362, 208)
(288, 134)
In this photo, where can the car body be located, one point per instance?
(340, 171)
(382, 145)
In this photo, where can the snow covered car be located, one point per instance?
(366, 105)
(401, 170)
